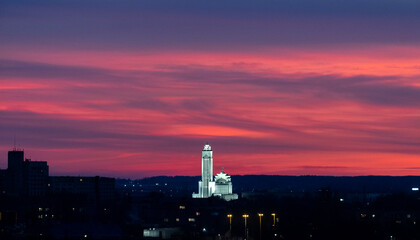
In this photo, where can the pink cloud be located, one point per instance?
(281, 112)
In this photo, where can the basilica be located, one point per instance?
(221, 186)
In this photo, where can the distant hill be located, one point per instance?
(246, 183)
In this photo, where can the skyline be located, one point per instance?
(135, 89)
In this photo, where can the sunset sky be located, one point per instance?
(135, 88)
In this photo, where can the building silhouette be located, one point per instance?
(24, 177)
(97, 189)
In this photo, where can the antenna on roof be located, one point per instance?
(14, 142)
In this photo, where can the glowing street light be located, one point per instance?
(230, 221)
(245, 216)
(260, 215)
(274, 219)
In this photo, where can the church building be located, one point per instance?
(221, 186)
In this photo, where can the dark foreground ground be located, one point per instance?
(162, 208)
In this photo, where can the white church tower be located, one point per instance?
(207, 187)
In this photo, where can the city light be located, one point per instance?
(260, 215)
(245, 216)
(230, 221)
(274, 219)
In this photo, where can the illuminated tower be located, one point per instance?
(206, 185)
(207, 171)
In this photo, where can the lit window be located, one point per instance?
(197, 213)
(181, 207)
(191, 219)
(363, 215)
(177, 219)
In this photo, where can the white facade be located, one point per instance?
(220, 187)
(223, 187)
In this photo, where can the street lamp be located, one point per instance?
(274, 219)
(245, 216)
(260, 215)
(230, 221)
